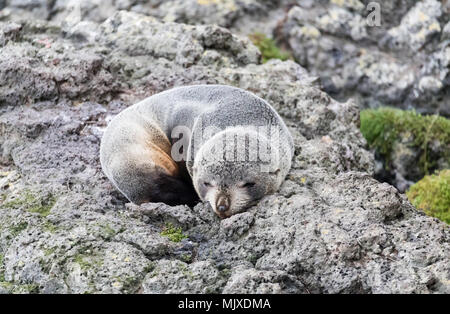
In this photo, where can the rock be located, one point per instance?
(339, 21)
(403, 63)
(31, 69)
(249, 280)
(227, 13)
(84, 31)
(354, 59)
(178, 277)
(186, 49)
(9, 32)
(416, 27)
(446, 31)
(25, 9)
(331, 228)
(383, 64)
(429, 84)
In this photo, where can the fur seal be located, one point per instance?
(220, 143)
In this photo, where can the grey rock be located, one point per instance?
(238, 14)
(417, 26)
(9, 32)
(390, 64)
(178, 277)
(249, 280)
(379, 65)
(183, 44)
(64, 228)
(446, 31)
(30, 70)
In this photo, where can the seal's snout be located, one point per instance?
(223, 203)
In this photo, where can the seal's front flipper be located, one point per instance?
(173, 191)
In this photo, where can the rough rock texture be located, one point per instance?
(245, 15)
(63, 228)
(403, 62)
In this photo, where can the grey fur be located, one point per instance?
(230, 114)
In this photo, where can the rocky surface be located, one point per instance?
(63, 228)
(400, 60)
(404, 61)
(245, 15)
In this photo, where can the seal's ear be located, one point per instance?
(194, 169)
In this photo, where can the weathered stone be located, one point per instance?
(65, 229)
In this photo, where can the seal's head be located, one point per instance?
(231, 173)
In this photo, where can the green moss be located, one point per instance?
(24, 200)
(33, 203)
(15, 230)
(252, 258)
(268, 47)
(149, 267)
(226, 272)
(130, 284)
(43, 207)
(432, 195)
(80, 260)
(87, 261)
(49, 226)
(187, 258)
(107, 231)
(25, 289)
(6, 285)
(174, 234)
(49, 251)
(185, 270)
(19, 289)
(45, 266)
(382, 127)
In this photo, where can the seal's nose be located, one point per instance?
(223, 203)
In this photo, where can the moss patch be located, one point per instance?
(87, 261)
(6, 285)
(174, 234)
(15, 230)
(49, 251)
(107, 231)
(33, 203)
(19, 289)
(25, 289)
(432, 195)
(49, 227)
(268, 47)
(382, 127)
